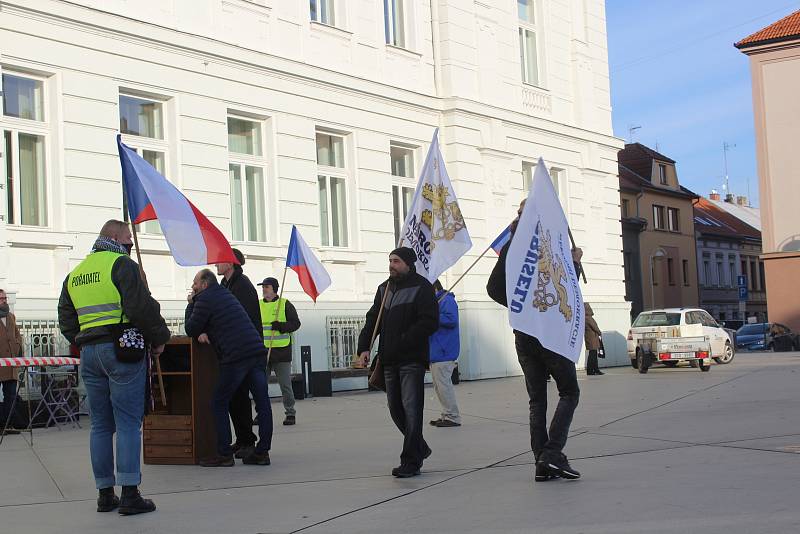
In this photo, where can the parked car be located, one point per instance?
(766, 336)
(680, 323)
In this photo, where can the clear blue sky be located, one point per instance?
(675, 72)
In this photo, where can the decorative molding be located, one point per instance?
(535, 100)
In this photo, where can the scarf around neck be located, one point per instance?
(107, 244)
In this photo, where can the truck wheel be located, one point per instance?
(727, 355)
(703, 367)
(642, 362)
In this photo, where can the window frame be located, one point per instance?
(685, 269)
(390, 25)
(400, 185)
(670, 271)
(662, 174)
(344, 173)
(525, 27)
(673, 221)
(243, 161)
(31, 127)
(659, 210)
(331, 8)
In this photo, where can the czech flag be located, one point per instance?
(501, 240)
(191, 237)
(313, 277)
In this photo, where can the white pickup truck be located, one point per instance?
(674, 335)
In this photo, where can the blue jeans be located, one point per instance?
(254, 373)
(405, 392)
(116, 404)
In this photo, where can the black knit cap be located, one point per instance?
(406, 254)
(269, 281)
(239, 256)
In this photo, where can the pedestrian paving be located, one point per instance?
(675, 450)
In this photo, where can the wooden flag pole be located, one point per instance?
(144, 279)
(277, 310)
(465, 273)
(580, 265)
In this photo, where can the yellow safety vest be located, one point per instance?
(272, 338)
(95, 297)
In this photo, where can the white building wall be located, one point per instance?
(265, 59)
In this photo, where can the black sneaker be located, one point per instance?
(434, 422)
(542, 475)
(405, 471)
(559, 465)
(133, 503)
(257, 458)
(444, 423)
(290, 420)
(244, 452)
(218, 461)
(107, 501)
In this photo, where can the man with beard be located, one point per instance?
(410, 315)
(537, 363)
(241, 409)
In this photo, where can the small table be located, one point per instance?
(55, 398)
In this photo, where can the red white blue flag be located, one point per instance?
(314, 279)
(191, 237)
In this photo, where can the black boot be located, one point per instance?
(132, 502)
(106, 500)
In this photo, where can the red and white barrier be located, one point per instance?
(38, 361)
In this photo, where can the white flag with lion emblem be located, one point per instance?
(544, 297)
(434, 226)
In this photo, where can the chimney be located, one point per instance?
(714, 195)
(729, 198)
(742, 201)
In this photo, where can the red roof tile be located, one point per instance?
(711, 219)
(783, 30)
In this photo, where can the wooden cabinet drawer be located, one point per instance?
(168, 437)
(168, 422)
(168, 451)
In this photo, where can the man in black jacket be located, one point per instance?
(410, 315)
(537, 362)
(98, 295)
(241, 409)
(214, 316)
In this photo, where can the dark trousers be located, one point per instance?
(241, 410)
(231, 376)
(591, 362)
(405, 392)
(9, 394)
(537, 362)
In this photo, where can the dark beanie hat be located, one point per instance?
(269, 281)
(406, 254)
(239, 256)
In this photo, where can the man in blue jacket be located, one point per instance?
(214, 316)
(445, 347)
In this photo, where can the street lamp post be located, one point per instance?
(657, 253)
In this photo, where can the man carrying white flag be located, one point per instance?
(536, 279)
(434, 227)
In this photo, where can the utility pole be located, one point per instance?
(725, 147)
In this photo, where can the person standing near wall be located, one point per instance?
(445, 348)
(10, 347)
(591, 338)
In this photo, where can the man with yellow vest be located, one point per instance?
(105, 290)
(279, 319)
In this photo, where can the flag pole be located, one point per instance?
(465, 273)
(580, 265)
(144, 279)
(277, 310)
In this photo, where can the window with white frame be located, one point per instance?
(528, 47)
(141, 122)
(323, 11)
(556, 176)
(332, 178)
(672, 220)
(394, 22)
(25, 137)
(402, 162)
(528, 168)
(246, 168)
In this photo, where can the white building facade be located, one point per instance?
(273, 113)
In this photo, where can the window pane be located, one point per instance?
(313, 10)
(256, 226)
(525, 11)
(23, 98)
(531, 69)
(402, 161)
(398, 23)
(237, 209)
(527, 175)
(31, 180)
(522, 54)
(338, 212)
(326, 15)
(156, 159)
(555, 177)
(244, 137)
(9, 176)
(323, 210)
(330, 150)
(401, 201)
(140, 117)
(387, 21)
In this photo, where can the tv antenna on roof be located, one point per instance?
(631, 129)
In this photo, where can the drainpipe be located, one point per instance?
(436, 48)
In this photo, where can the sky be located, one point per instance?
(676, 74)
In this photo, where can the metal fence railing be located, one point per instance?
(342, 332)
